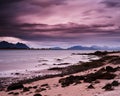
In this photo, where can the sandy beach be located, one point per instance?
(93, 83)
(60, 48)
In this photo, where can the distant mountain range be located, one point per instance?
(6, 45)
(56, 48)
(81, 48)
(93, 48)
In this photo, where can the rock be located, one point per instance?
(40, 90)
(107, 76)
(37, 95)
(44, 85)
(90, 86)
(117, 68)
(115, 83)
(100, 53)
(64, 82)
(89, 78)
(110, 69)
(16, 93)
(34, 87)
(17, 73)
(12, 93)
(96, 81)
(77, 82)
(70, 80)
(59, 59)
(108, 87)
(30, 87)
(102, 70)
(15, 86)
(99, 75)
(115, 60)
(43, 89)
(25, 89)
(44, 64)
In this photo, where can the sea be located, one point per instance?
(15, 63)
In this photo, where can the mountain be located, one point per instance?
(100, 48)
(81, 48)
(56, 48)
(21, 45)
(94, 47)
(7, 45)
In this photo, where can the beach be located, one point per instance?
(16, 65)
(59, 48)
(95, 78)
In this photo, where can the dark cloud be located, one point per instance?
(46, 20)
(32, 25)
(41, 3)
(8, 2)
(59, 32)
(103, 25)
(48, 3)
(7, 12)
(12, 9)
(112, 3)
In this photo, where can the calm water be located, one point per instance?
(31, 60)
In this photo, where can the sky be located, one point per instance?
(63, 23)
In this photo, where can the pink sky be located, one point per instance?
(44, 23)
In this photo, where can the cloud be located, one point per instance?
(47, 3)
(11, 39)
(12, 10)
(112, 3)
(7, 2)
(60, 20)
(59, 32)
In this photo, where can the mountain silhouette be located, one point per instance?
(7, 45)
(81, 48)
(94, 47)
(56, 48)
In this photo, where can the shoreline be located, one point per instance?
(84, 69)
(27, 75)
(57, 71)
